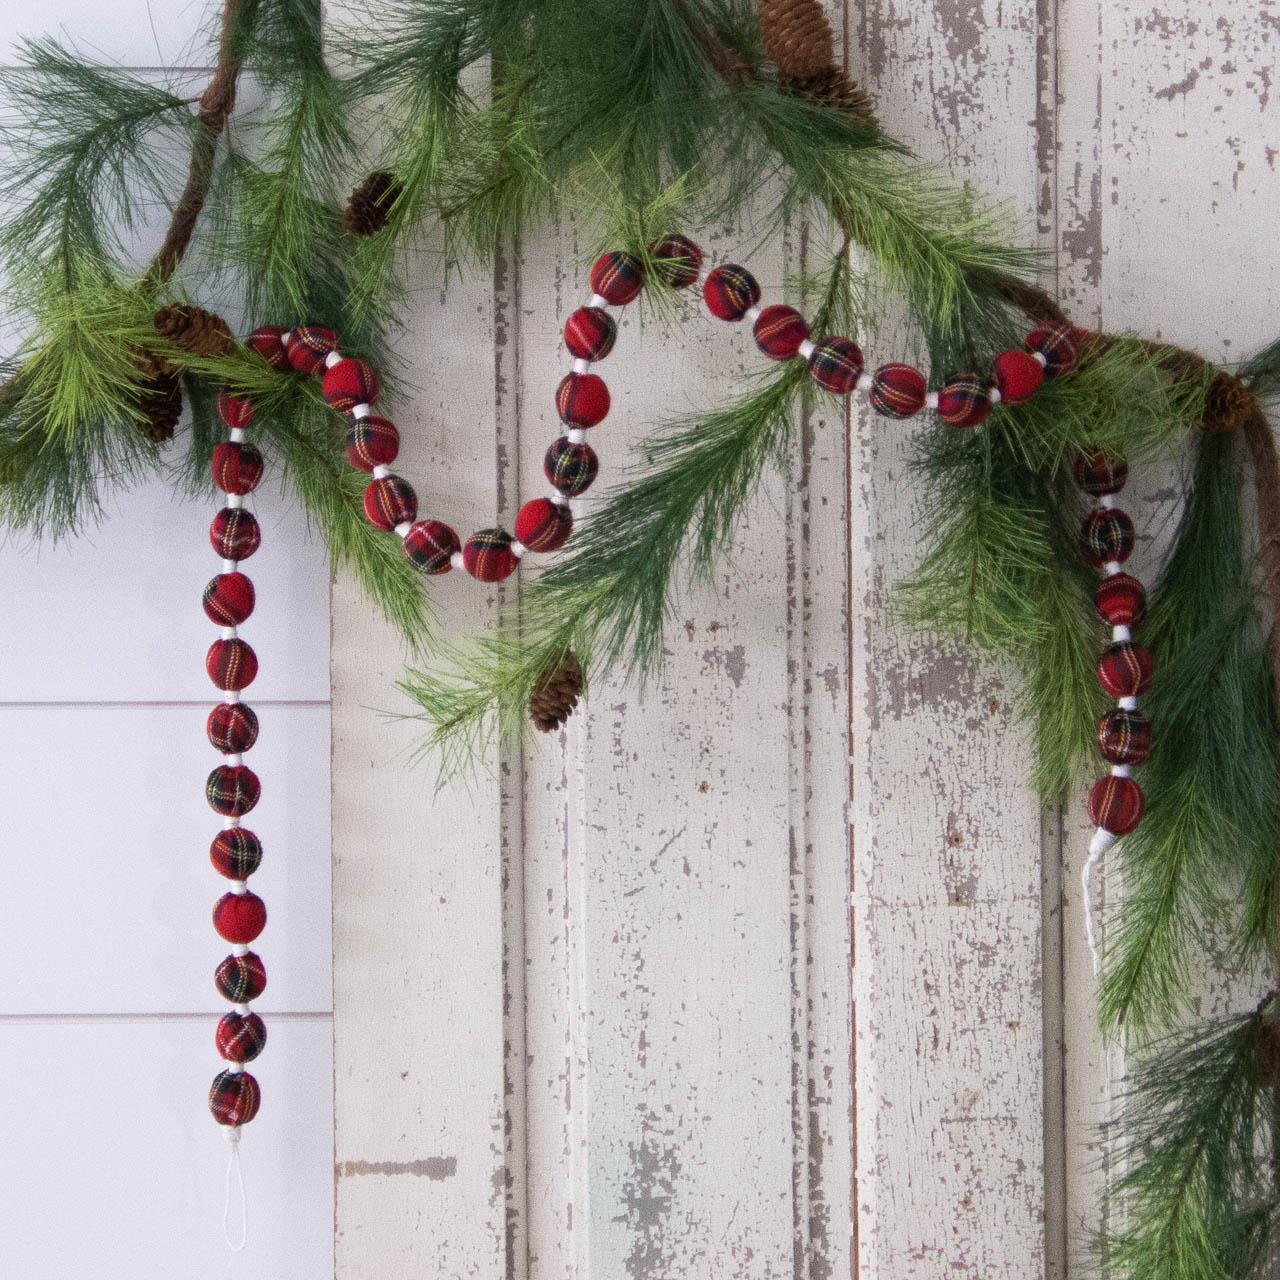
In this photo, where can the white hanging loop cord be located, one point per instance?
(235, 1181)
(1098, 846)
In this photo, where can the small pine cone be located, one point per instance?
(556, 695)
(159, 407)
(832, 88)
(366, 212)
(195, 330)
(797, 37)
(1228, 403)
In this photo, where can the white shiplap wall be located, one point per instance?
(111, 1166)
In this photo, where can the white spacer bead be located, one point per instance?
(752, 313)
(1112, 567)
(235, 501)
(597, 301)
(1127, 703)
(807, 348)
(930, 399)
(361, 411)
(518, 548)
(228, 633)
(993, 394)
(381, 471)
(239, 949)
(1101, 842)
(241, 1009)
(403, 528)
(456, 560)
(230, 566)
(230, 824)
(1121, 633)
(240, 887)
(285, 336)
(332, 358)
(558, 498)
(234, 1067)
(236, 436)
(235, 759)
(581, 366)
(576, 435)
(865, 383)
(1107, 501)
(1040, 358)
(231, 697)
(1120, 771)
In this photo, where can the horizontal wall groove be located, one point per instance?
(73, 1019)
(150, 704)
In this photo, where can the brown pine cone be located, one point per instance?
(366, 212)
(556, 695)
(832, 88)
(195, 330)
(159, 407)
(797, 37)
(1228, 403)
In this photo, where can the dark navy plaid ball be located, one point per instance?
(239, 979)
(1105, 537)
(232, 790)
(836, 365)
(1124, 737)
(232, 728)
(234, 1098)
(571, 467)
(236, 854)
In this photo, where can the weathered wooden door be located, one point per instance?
(608, 1010)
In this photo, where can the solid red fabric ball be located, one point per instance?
(239, 917)
(582, 400)
(267, 342)
(228, 599)
(1124, 737)
(963, 401)
(1058, 344)
(232, 790)
(679, 260)
(234, 1098)
(240, 1037)
(590, 333)
(730, 291)
(236, 854)
(543, 525)
(1099, 473)
(897, 390)
(1121, 600)
(389, 502)
(617, 278)
(348, 383)
(1018, 376)
(1116, 804)
(231, 664)
(309, 347)
(1125, 669)
(836, 365)
(571, 468)
(431, 546)
(1106, 536)
(234, 533)
(236, 468)
(236, 412)
(372, 442)
(488, 557)
(232, 728)
(779, 331)
(240, 979)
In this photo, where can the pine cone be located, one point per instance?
(195, 330)
(159, 407)
(556, 695)
(1228, 403)
(832, 88)
(797, 37)
(366, 212)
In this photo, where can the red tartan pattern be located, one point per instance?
(239, 917)
(1125, 669)
(582, 400)
(232, 790)
(1058, 344)
(730, 292)
(1116, 804)
(431, 546)
(236, 854)
(235, 411)
(779, 332)
(617, 278)
(897, 391)
(964, 401)
(232, 728)
(488, 557)
(236, 468)
(231, 664)
(267, 343)
(234, 1098)
(1099, 473)
(309, 346)
(571, 468)
(349, 383)
(240, 1037)
(590, 333)
(239, 979)
(1124, 737)
(836, 364)
(372, 442)
(679, 260)
(228, 599)
(543, 525)
(389, 502)
(234, 533)
(1018, 376)
(1106, 536)
(1121, 600)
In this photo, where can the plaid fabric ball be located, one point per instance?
(349, 383)
(309, 347)
(1116, 804)
(1124, 737)
(267, 343)
(779, 331)
(236, 412)
(239, 979)
(231, 664)
(679, 260)
(232, 728)
(964, 401)
(1018, 376)
(1099, 473)
(234, 533)
(236, 468)
(617, 278)
(1106, 536)
(571, 468)
(232, 790)
(1057, 343)
(228, 599)
(240, 1037)
(431, 545)
(236, 854)
(543, 525)
(372, 442)
(582, 400)
(239, 917)
(389, 502)
(836, 365)
(897, 390)
(1121, 600)
(730, 291)
(590, 333)
(488, 557)
(234, 1098)
(1125, 669)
